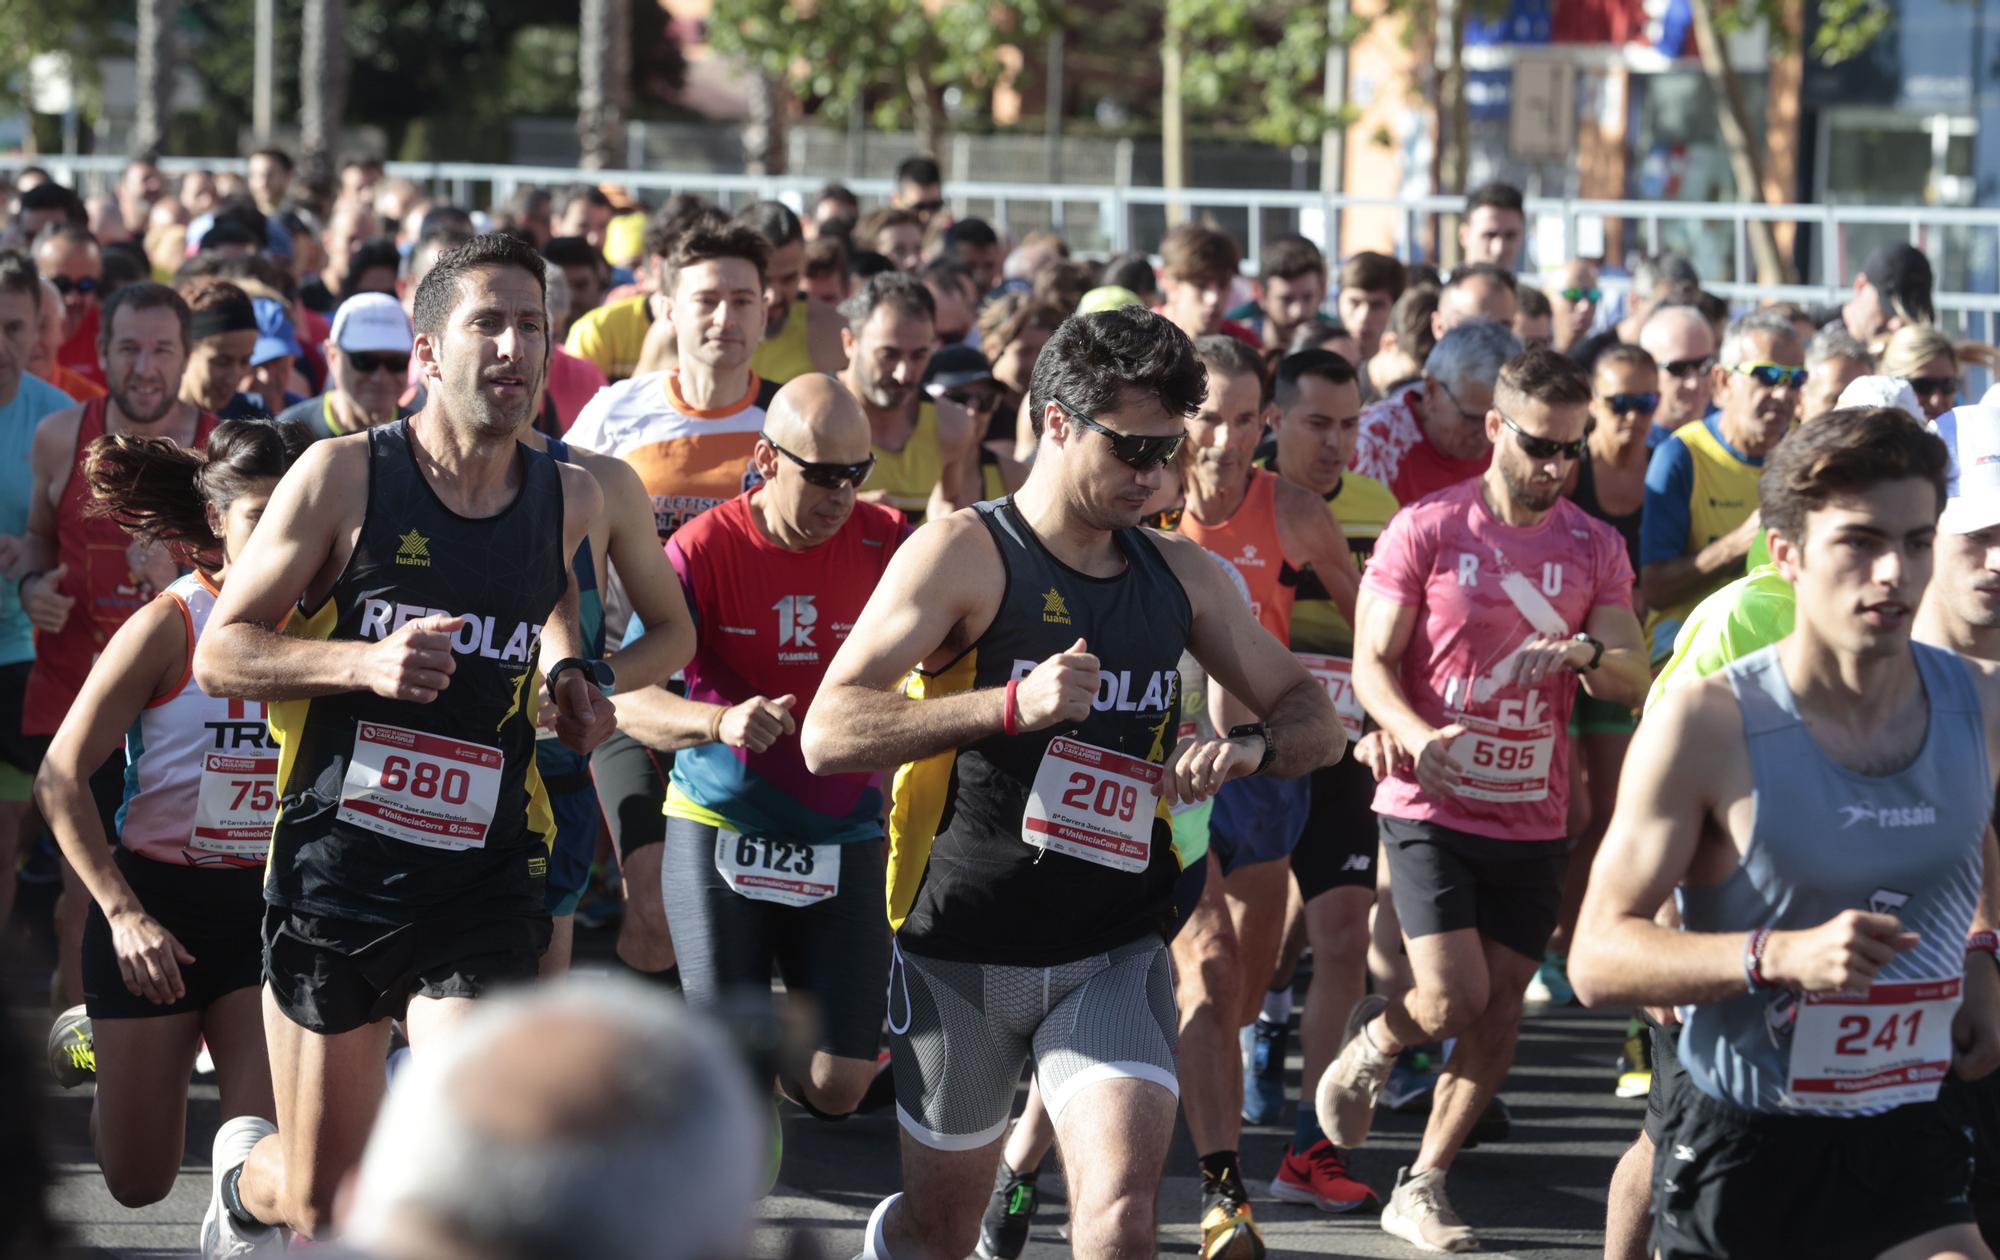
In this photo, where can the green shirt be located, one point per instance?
(1754, 611)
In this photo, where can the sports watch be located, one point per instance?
(1257, 729)
(1596, 650)
(598, 672)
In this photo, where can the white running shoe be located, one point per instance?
(1419, 1213)
(223, 1237)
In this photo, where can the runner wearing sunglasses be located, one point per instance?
(368, 362)
(1481, 608)
(1032, 872)
(1701, 486)
(962, 375)
(1682, 343)
(1573, 300)
(68, 257)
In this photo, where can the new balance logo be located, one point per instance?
(415, 550)
(1890, 816)
(1356, 862)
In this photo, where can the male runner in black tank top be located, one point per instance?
(1031, 861)
(424, 569)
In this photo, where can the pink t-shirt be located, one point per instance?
(572, 383)
(1483, 588)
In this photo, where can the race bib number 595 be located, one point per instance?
(426, 789)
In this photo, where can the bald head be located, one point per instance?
(1474, 296)
(815, 418)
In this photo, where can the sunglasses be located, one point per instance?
(979, 400)
(66, 286)
(1927, 385)
(1540, 447)
(1168, 520)
(1771, 375)
(1581, 295)
(826, 476)
(1645, 404)
(1138, 450)
(926, 207)
(370, 362)
(1688, 367)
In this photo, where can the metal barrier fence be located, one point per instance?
(1963, 244)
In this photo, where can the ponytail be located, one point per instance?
(159, 490)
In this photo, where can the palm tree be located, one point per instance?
(155, 54)
(322, 89)
(604, 65)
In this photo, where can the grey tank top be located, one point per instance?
(1825, 839)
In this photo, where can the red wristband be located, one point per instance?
(1010, 716)
(1983, 943)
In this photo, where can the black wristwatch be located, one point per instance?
(598, 672)
(1257, 729)
(1596, 651)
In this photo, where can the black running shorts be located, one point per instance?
(632, 788)
(1340, 842)
(214, 914)
(1730, 1183)
(1670, 1077)
(332, 975)
(1446, 880)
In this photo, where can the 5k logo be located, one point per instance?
(796, 619)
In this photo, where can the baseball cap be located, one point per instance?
(1882, 391)
(955, 367)
(1972, 501)
(370, 322)
(275, 338)
(1902, 275)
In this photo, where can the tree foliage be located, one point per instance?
(1257, 67)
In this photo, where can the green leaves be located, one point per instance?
(1259, 69)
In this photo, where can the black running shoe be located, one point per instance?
(1003, 1231)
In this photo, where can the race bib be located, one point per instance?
(1874, 1050)
(1504, 763)
(237, 805)
(777, 871)
(1336, 674)
(427, 789)
(1093, 803)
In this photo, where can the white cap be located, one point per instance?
(372, 321)
(1882, 391)
(1972, 500)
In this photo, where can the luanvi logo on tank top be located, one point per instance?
(415, 550)
(1054, 612)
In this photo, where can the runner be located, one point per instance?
(766, 863)
(172, 958)
(1267, 529)
(1051, 908)
(1842, 723)
(689, 433)
(224, 331)
(367, 361)
(1479, 609)
(1316, 400)
(1433, 434)
(926, 450)
(800, 334)
(412, 880)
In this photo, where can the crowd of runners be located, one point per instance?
(1035, 663)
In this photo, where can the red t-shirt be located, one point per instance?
(1394, 450)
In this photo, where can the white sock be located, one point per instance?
(877, 1245)
(1278, 1006)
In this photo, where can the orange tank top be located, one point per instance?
(1251, 552)
(102, 579)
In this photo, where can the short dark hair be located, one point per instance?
(1224, 355)
(574, 251)
(707, 242)
(276, 154)
(1410, 320)
(1198, 250)
(1498, 196)
(1621, 354)
(1534, 304)
(1290, 257)
(866, 264)
(1293, 368)
(1487, 271)
(977, 233)
(123, 263)
(226, 232)
(826, 256)
(74, 233)
(838, 193)
(1845, 451)
(677, 214)
(898, 289)
(1371, 272)
(583, 192)
(1092, 360)
(918, 170)
(1549, 377)
(945, 271)
(373, 253)
(772, 220)
(1134, 272)
(880, 219)
(455, 219)
(18, 275)
(438, 294)
(54, 196)
(147, 295)
(1316, 334)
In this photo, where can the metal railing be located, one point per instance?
(1963, 243)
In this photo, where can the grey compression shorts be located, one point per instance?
(960, 1032)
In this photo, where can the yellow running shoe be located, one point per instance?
(1227, 1230)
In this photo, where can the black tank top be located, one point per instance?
(392, 811)
(964, 884)
(1585, 497)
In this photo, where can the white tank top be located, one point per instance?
(200, 772)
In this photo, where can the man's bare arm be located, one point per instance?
(1623, 674)
(1668, 582)
(649, 579)
(958, 476)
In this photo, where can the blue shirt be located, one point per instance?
(1663, 534)
(36, 398)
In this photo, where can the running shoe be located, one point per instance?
(1003, 1231)
(1550, 984)
(1228, 1231)
(1419, 1213)
(72, 1053)
(223, 1237)
(1264, 1045)
(1345, 1097)
(1410, 1085)
(1635, 1061)
(1320, 1177)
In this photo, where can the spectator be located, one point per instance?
(897, 235)
(1370, 283)
(651, 1144)
(800, 336)
(1835, 359)
(1476, 291)
(1197, 265)
(1406, 342)
(1433, 433)
(1574, 299)
(919, 190)
(584, 271)
(975, 243)
(270, 179)
(1494, 227)
(277, 351)
(368, 361)
(1534, 319)
(1926, 358)
(1893, 288)
(1291, 290)
(224, 336)
(826, 270)
(834, 201)
(69, 257)
(1683, 344)
(1701, 485)
(586, 211)
(1662, 280)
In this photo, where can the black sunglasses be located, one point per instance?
(978, 400)
(367, 362)
(1928, 385)
(66, 286)
(1645, 404)
(1688, 367)
(1138, 450)
(826, 476)
(1540, 447)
